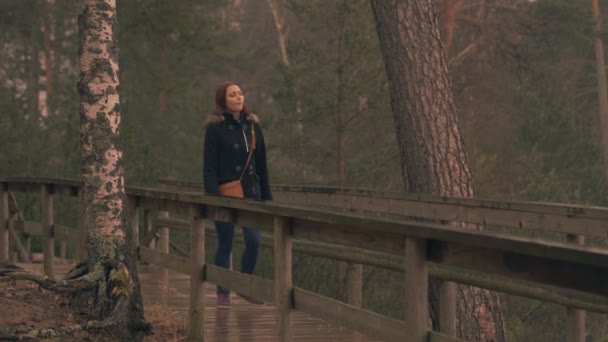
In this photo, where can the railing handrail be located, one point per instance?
(535, 247)
(570, 210)
(487, 240)
(575, 221)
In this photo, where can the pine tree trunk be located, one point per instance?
(48, 63)
(111, 255)
(449, 9)
(163, 94)
(433, 158)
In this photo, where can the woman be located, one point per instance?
(228, 141)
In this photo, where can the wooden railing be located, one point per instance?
(563, 273)
(574, 222)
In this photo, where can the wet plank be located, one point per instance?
(239, 322)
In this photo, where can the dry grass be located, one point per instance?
(169, 325)
(25, 304)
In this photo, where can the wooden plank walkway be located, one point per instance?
(241, 322)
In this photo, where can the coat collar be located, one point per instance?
(227, 117)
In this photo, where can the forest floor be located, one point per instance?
(26, 304)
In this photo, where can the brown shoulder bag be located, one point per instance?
(235, 188)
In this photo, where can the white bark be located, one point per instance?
(277, 8)
(100, 121)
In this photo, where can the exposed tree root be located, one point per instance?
(62, 286)
(22, 333)
(80, 281)
(8, 269)
(79, 270)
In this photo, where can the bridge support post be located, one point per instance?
(48, 236)
(163, 246)
(354, 285)
(283, 286)
(575, 326)
(63, 247)
(4, 213)
(147, 226)
(416, 290)
(12, 254)
(133, 212)
(447, 308)
(197, 273)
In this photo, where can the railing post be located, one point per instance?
(575, 325)
(164, 240)
(28, 247)
(13, 258)
(63, 251)
(155, 243)
(354, 285)
(416, 290)
(197, 282)
(4, 213)
(283, 287)
(148, 226)
(19, 251)
(82, 237)
(133, 211)
(48, 243)
(12, 255)
(13, 245)
(447, 308)
(163, 246)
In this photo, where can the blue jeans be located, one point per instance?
(225, 236)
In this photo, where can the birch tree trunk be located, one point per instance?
(112, 260)
(602, 88)
(433, 158)
(277, 8)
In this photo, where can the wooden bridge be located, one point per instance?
(363, 227)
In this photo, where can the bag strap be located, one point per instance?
(250, 151)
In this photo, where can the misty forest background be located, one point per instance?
(523, 73)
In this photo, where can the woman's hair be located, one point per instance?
(220, 98)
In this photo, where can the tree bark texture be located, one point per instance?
(433, 158)
(48, 61)
(163, 95)
(111, 255)
(448, 12)
(602, 87)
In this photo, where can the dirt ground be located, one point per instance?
(25, 304)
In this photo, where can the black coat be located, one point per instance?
(225, 153)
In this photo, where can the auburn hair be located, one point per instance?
(220, 99)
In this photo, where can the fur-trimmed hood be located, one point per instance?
(219, 118)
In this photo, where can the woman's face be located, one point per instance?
(234, 99)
